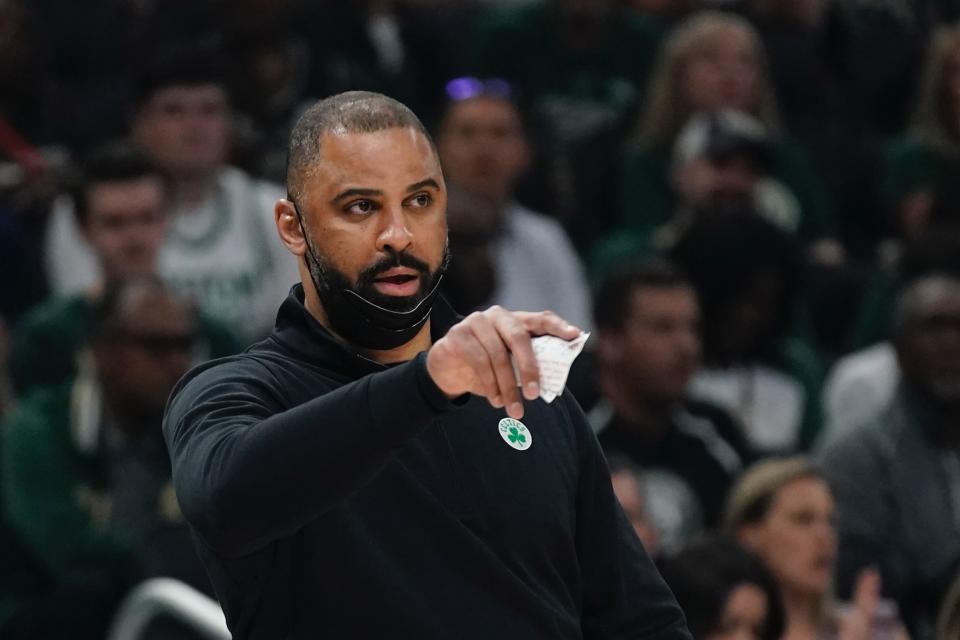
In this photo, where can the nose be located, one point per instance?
(395, 233)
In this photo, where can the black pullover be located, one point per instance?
(334, 497)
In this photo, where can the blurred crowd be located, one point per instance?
(753, 204)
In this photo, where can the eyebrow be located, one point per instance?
(429, 182)
(350, 193)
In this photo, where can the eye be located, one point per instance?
(421, 200)
(360, 207)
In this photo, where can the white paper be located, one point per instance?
(554, 357)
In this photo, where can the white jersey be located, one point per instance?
(225, 254)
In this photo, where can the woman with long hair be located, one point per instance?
(783, 510)
(710, 62)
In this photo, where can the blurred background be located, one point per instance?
(753, 204)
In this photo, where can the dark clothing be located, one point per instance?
(333, 496)
(702, 446)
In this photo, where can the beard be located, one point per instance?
(330, 278)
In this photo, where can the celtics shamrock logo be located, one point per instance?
(515, 434)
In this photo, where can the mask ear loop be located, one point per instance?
(306, 240)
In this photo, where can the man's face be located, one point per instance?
(714, 182)
(125, 224)
(929, 348)
(748, 324)
(658, 348)
(185, 129)
(375, 213)
(149, 353)
(483, 147)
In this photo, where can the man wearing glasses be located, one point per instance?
(376, 467)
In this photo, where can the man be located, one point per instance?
(648, 349)
(120, 206)
(722, 160)
(86, 477)
(746, 273)
(484, 151)
(897, 479)
(220, 247)
(354, 475)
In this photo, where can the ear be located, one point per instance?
(288, 227)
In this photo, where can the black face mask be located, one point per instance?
(361, 314)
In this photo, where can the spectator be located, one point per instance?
(862, 384)
(725, 591)
(121, 210)
(221, 246)
(484, 149)
(902, 469)
(747, 275)
(583, 66)
(648, 349)
(782, 510)
(86, 475)
(711, 61)
(926, 158)
(720, 161)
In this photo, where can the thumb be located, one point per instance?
(867, 591)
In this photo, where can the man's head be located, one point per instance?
(746, 272)
(143, 338)
(120, 205)
(648, 324)
(366, 210)
(927, 337)
(473, 223)
(719, 158)
(481, 138)
(182, 113)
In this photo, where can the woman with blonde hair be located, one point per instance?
(783, 510)
(711, 62)
(927, 158)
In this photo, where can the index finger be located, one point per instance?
(514, 332)
(547, 323)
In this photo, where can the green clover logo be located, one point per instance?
(515, 434)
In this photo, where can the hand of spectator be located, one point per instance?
(866, 618)
(857, 622)
(475, 355)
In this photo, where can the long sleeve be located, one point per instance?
(623, 593)
(249, 470)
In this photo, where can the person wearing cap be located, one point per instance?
(721, 161)
(376, 467)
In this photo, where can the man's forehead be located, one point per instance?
(395, 153)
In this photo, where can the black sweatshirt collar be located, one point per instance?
(298, 332)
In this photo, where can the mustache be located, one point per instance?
(395, 259)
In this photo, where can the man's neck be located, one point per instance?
(651, 419)
(408, 351)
